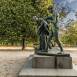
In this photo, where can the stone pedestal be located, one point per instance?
(40, 61)
(28, 71)
(51, 62)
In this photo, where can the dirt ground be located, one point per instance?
(11, 61)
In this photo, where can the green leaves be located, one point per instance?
(16, 18)
(69, 35)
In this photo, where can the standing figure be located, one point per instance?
(43, 32)
(53, 19)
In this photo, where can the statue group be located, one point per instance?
(45, 36)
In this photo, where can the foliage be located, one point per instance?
(16, 18)
(69, 35)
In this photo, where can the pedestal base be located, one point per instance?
(56, 62)
(40, 61)
(28, 71)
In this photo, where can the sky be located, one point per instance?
(72, 4)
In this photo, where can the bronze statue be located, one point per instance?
(53, 19)
(43, 32)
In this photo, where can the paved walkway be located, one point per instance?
(15, 48)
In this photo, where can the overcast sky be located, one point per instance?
(72, 4)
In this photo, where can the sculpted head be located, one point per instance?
(51, 9)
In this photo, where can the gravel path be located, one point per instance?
(11, 62)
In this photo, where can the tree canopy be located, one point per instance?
(16, 18)
(69, 35)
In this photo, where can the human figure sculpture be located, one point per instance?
(43, 32)
(53, 19)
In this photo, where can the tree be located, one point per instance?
(69, 35)
(16, 18)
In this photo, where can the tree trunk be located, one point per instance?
(76, 43)
(12, 43)
(23, 43)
